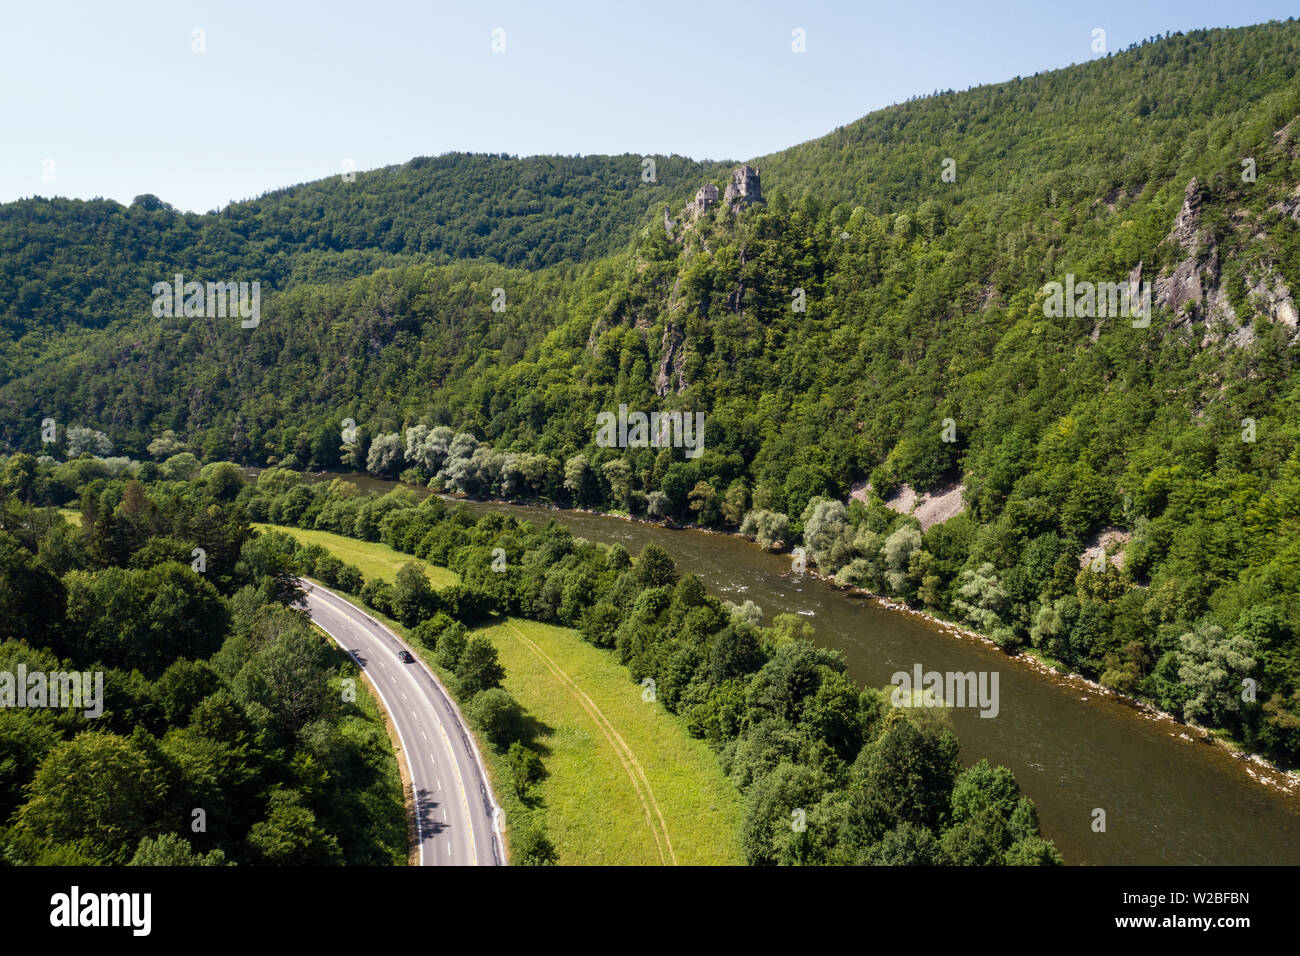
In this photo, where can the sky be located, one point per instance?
(205, 103)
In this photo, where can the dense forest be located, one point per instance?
(68, 263)
(230, 731)
(878, 324)
(880, 785)
(219, 696)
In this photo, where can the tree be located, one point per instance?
(906, 845)
(143, 618)
(906, 775)
(770, 529)
(898, 554)
(770, 825)
(98, 787)
(825, 530)
(733, 653)
(479, 669)
(428, 448)
(654, 567)
(274, 482)
(533, 848)
(79, 440)
(25, 739)
(181, 467)
(980, 598)
(165, 445)
(619, 475)
(832, 714)
(1032, 851)
(657, 505)
(1053, 624)
(734, 502)
(599, 624)
(224, 480)
(18, 476)
(182, 686)
(703, 500)
(498, 717)
(412, 597)
(31, 598)
(428, 630)
(267, 562)
(290, 835)
(578, 479)
(169, 849)
(983, 787)
(290, 678)
(747, 612)
(1213, 665)
(787, 628)
(385, 455)
(525, 768)
(451, 645)
(804, 483)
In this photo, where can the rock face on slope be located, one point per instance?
(743, 189)
(1195, 289)
(705, 197)
(1183, 292)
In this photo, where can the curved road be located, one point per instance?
(455, 812)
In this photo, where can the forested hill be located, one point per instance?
(66, 263)
(1108, 127)
(870, 320)
(1114, 125)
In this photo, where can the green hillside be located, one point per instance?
(69, 263)
(869, 321)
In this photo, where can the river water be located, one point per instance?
(1167, 798)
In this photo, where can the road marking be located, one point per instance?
(464, 798)
(419, 831)
(345, 611)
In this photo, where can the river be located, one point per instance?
(1167, 798)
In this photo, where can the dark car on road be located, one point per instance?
(405, 657)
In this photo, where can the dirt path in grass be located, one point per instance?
(624, 753)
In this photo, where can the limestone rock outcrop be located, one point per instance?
(743, 189)
(705, 197)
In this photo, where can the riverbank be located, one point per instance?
(1072, 746)
(1259, 768)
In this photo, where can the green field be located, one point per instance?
(625, 783)
(377, 561)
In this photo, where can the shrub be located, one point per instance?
(430, 629)
(498, 717)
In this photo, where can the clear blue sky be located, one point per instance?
(114, 94)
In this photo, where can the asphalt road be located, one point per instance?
(456, 814)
